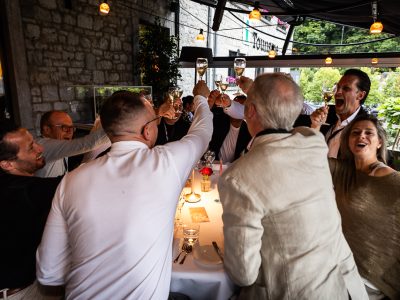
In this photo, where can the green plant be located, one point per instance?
(390, 112)
(158, 59)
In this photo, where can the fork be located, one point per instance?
(187, 250)
(182, 250)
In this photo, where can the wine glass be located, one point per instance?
(174, 94)
(327, 94)
(181, 202)
(209, 156)
(217, 81)
(201, 66)
(223, 86)
(239, 66)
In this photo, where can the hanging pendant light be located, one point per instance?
(272, 52)
(104, 8)
(328, 60)
(200, 36)
(255, 14)
(377, 26)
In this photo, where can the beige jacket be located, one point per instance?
(282, 229)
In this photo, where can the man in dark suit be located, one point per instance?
(230, 136)
(351, 92)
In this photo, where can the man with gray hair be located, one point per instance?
(109, 233)
(282, 229)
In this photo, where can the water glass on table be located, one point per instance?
(191, 233)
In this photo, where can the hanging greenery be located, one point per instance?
(158, 59)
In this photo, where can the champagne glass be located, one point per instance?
(201, 66)
(239, 66)
(209, 156)
(177, 96)
(217, 81)
(174, 94)
(181, 202)
(327, 94)
(223, 86)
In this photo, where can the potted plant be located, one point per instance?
(158, 59)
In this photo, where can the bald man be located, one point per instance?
(57, 131)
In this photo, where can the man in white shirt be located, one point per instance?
(351, 92)
(109, 233)
(57, 130)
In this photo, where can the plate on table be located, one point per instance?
(206, 255)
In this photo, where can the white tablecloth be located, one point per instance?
(197, 280)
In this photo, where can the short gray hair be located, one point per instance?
(278, 100)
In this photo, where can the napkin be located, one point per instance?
(198, 214)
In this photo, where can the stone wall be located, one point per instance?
(68, 44)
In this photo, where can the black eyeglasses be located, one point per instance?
(147, 123)
(65, 128)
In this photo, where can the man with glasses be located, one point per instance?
(109, 233)
(57, 131)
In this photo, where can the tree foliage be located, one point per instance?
(319, 32)
(158, 59)
(312, 80)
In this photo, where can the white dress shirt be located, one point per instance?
(235, 110)
(227, 151)
(109, 232)
(334, 142)
(56, 151)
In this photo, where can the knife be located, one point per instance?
(216, 248)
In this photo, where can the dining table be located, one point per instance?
(202, 275)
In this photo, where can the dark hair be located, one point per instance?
(8, 151)
(363, 84)
(345, 152)
(118, 108)
(187, 100)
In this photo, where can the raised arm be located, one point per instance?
(189, 149)
(57, 149)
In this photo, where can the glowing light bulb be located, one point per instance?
(376, 27)
(104, 8)
(272, 53)
(328, 60)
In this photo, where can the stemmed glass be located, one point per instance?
(201, 66)
(223, 86)
(209, 156)
(217, 81)
(175, 93)
(239, 65)
(327, 94)
(181, 202)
